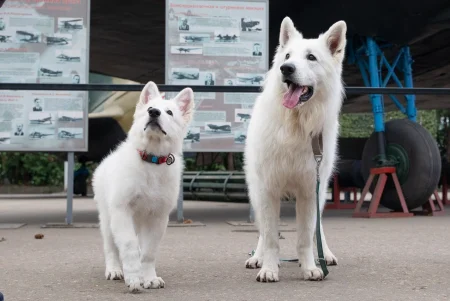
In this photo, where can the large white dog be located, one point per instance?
(137, 186)
(302, 97)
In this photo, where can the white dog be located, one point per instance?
(302, 97)
(137, 185)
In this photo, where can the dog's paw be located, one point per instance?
(154, 283)
(254, 262)
(330, 259)
(134, 284)
(267, 275)
(114, 274)
(314, 274)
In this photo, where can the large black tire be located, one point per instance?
(422, 175)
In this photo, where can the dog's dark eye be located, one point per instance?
(169, 112)
(311, 57)
(287, 56)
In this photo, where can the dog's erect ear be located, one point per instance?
(287, 31)
(335, 38)
(149, 92)
(185, 101)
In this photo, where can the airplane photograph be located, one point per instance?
(221, 128)
(250, 79)
(193, 135)
(28, 37)
(70, 134)
(70, 116)
(40, 118)
(187, 50)
(250, 25)
(5, 39)
(240, 138)
(39, 135)
(50, 73)
(185, 75)
(71, 24)
(243, 117)
(188, 38)
(5, 138)
(226, 38)
(60, 40)
(66, 58)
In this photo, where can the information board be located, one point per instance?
(217, 43)
(44, 41)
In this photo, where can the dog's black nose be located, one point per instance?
(154, 113)
(287, 68)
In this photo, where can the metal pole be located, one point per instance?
(180, 217)
(408, 77)
(376, 99)
(69, 208)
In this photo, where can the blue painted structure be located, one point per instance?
(367, 53)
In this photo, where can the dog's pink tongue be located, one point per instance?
(292, 96)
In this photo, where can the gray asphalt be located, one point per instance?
(379, 259)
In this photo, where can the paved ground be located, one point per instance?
(388, 259)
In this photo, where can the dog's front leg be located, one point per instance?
(306, 225)
(151, 231)
(267, 212)
(126, 240)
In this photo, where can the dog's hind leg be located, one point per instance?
(306, 225)
(122, 227)
(267, 212)
(151, 231)
(113, 267)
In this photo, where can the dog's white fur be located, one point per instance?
(279, 159)
(134, 197)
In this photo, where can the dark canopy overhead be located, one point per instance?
(127, 37)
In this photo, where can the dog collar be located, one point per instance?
(150, 158)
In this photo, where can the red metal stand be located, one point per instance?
(382, 172)
(337, 189)
(445, 199)
(429, 208)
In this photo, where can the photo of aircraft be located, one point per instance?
(5, 39)
(57, 41)
(69, 24)
(192, 136)
(69, 119)
(186, 50)
(240, 138)
(215, 128)
(4, 139)
(254, 79)
(48, 72)
(248, 25)
(243, 116)
(67, 135)
(39, 135)
(184, 75)
(66, 58)
(25, 36)
(227, 38)
(42, 120)
(194, 38)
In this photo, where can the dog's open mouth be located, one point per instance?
(154, 124)
(296, 94)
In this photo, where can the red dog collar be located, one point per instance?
(150, 158)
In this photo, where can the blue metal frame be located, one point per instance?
(367, 53)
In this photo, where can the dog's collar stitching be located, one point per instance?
(150, 158)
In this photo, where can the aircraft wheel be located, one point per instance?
(418, 163)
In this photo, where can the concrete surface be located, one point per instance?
(379, 259)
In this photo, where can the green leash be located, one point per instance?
(317, 150)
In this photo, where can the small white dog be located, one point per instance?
(302, 97)
(136, 187)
